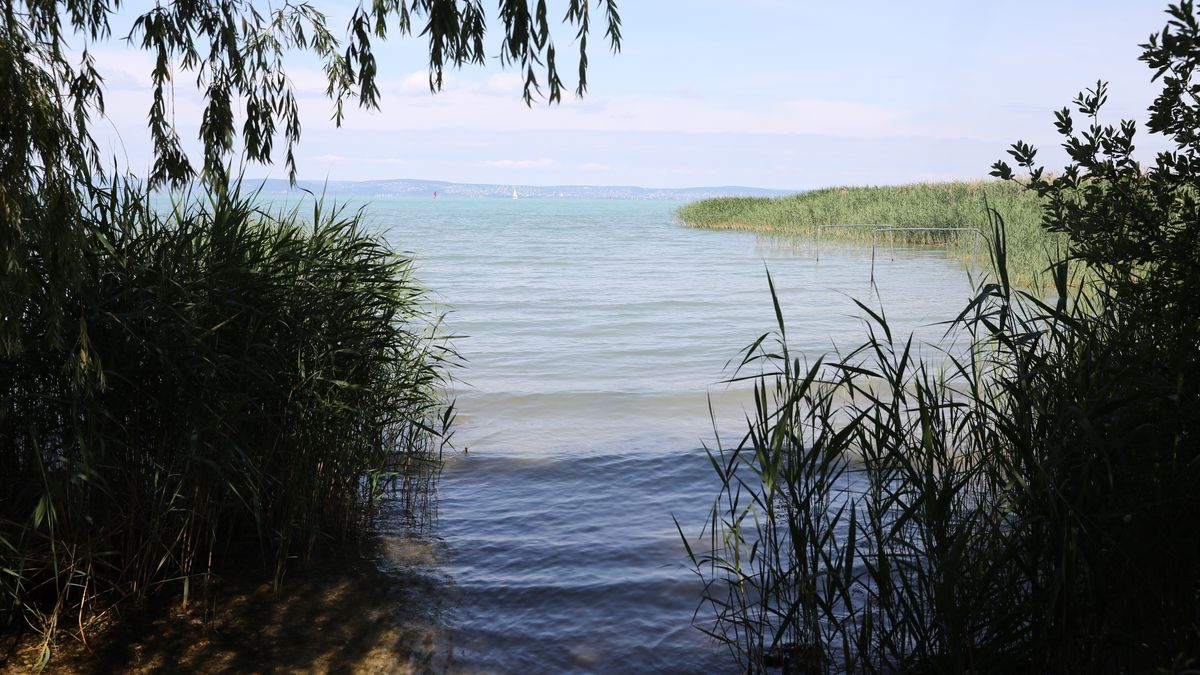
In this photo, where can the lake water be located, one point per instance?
(595, 334)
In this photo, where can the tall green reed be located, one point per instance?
(250, 385)
(1017, 505)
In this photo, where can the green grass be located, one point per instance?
(960, 204)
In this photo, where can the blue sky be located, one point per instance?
(768, 93)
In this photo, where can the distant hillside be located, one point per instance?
(423, 188)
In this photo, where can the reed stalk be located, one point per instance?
(1022, 505)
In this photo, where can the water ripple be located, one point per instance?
(599, 333)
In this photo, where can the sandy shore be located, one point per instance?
(377, 615)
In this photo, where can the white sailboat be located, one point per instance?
(514, 193)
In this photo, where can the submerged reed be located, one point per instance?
(249, 385)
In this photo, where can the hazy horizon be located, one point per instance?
(412, 179)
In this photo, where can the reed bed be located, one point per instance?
(957, 204)
(248, 386)
(1026, 507)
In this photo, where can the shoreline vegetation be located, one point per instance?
(1029, 505)
(222, 389)
(251, 385)
(825, 214)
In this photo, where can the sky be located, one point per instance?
(787, 94)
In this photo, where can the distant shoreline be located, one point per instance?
(426, 188)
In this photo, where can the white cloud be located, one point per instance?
(541, 163)
(416, 82)
(342, 159)
(123, 68)
(494, 104)
(504, 83)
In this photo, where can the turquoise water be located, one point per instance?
(596, 334)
